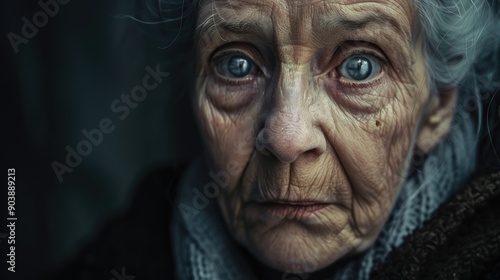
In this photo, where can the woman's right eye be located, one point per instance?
(236, 67)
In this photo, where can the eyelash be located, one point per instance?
(223, 54)
(364, 51)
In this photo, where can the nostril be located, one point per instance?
(262, 144)
(281, 146)
(261, 140)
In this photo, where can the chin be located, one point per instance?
(291, 247)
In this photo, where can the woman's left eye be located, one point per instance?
(359, 67)
(236, 66)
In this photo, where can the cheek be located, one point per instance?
(402, 127)
(372, 147)
(229, 137)
(404, 119)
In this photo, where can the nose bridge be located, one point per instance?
(289, 129)
(291, 89)
(289, 110)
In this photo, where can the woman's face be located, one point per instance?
(312, 108)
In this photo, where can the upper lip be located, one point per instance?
(292, 202)
(288, 199)
(298, 202)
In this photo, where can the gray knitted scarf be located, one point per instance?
(203, 248)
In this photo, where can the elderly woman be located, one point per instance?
(342, 140)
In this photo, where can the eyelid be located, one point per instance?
(363, 51)
(249, 50)
(243, 49)
(224, 54)
(350, 48)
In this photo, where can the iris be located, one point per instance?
(236, 67)
(359, 68)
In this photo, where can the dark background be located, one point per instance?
(61, 82)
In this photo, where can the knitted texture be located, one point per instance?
(459, 242)
(201, 243)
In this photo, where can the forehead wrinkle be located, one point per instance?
(257, 25)
(293, 30)
(358, 16)
(236, 18)
(300, 29)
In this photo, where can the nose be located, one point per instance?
(289, 129)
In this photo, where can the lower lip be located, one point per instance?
(291, 211)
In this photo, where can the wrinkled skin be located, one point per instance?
(296, 129)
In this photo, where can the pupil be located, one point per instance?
(239, 67)
(359, 68)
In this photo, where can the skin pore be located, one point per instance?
(317, 157)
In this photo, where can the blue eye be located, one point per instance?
(359, 67)
(236, 67)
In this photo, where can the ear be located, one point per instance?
(437, 122)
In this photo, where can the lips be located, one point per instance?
(291, 209)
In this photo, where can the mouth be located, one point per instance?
(290, 209)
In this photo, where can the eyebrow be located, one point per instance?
(382, 19)
(261, 28)
(356, 24)
(245, 27)
(249, 27)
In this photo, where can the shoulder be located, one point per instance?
(137, 242)
(460, 241)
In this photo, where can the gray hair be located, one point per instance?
(462, 40)
(462, 49)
